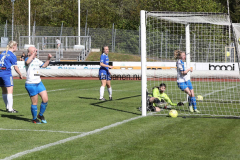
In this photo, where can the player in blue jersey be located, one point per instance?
(183, 80)
(34, 86)
(104, 73)
(8, 59)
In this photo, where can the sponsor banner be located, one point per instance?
(72, 67)
(119, 74)
(195, 66)
(221, 66)
(95, 65)
(66, 65)
(75, 63)
(21, 64)
(161, 64)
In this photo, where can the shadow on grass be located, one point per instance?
(87, 98)
(198, 116)
(178, 109)
(3, 110)
(128, 97)
(98, 104)
(209, 117)
(16, 117)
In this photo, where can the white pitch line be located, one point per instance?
(47, 91)
(220, 90)
(69, 139)
(3, 129)
(75, 89)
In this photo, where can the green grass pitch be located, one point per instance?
(74, 109)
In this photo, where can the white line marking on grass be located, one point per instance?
(220, 90)
(69, 139)
(208, 94)
(47, 91)
(112, 90)
(75, 89)
(3, 129)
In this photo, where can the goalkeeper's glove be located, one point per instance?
(180, 104)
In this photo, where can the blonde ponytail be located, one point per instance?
(7, 48)
(10, 45)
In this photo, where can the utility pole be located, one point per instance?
(12, 16)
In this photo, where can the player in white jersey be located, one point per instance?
(33, 84)
(183, 80)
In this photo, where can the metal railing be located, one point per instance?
(49, 42)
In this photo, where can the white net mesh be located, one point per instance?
(236, 29)
(182, 17)
(213, 58)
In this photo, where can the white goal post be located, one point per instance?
(204, 37)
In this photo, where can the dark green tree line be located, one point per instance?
(103, 13)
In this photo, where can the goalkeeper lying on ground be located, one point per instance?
(159, 98)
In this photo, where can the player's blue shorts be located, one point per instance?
(34, 89)
(6, 81)
(103, 75)
(185, 85)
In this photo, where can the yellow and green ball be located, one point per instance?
(173, 113)
(199, 98)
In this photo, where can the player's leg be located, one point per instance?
(34, 109)
(4, 96)
(155, 100)
(10, 100)
(184, 87)
(102, 88)
(108, 83)
(7, 91)
(188, 91)
(103, 78)
(192, 98)
(43, 94)
(32, 91)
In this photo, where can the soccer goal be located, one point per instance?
(210, 45)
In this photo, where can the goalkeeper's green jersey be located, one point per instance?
(163, 96)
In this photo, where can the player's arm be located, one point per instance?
(182, 69)
(168, 100)
(29, 59)
(186, 71)
(104, 65)
(47, 61)
(18, 71)
(14, 63)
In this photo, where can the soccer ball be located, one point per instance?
(173, 113)
(199, 98)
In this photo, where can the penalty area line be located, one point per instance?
(70, 139)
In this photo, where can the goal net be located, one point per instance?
(209, 42)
